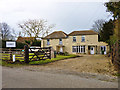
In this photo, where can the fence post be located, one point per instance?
(50, 52)
(10, 54)
(26, 53)
(119, 54)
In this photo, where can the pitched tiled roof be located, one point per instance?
(56, 35)
(23, 39)
(85, 32)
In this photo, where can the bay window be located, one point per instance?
(78, 49)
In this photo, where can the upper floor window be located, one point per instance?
(48, 41)
(60, 41)
(83, 39)
(74, 38)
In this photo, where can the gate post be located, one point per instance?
(50, 52)
(26, 53)
(10, 54)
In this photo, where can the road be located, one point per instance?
(21, 78)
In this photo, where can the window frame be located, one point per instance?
(74, 39)
(74, 49)
(48, 41)
(60, 41)
(83, 38)
(82, 49)
(78, 49)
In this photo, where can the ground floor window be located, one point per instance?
(74, 49)
(78, 49)
(103, 49)
(82, 49)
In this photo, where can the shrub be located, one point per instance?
(3, 44)
(20, 45)
(36, 43)
(28, 42)
(66, 53)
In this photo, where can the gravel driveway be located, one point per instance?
(88, 66)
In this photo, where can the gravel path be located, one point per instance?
(93, 71)
(89, 66)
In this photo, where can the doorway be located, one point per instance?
(91, 50)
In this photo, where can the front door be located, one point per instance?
(92, 50)
(61, 49)
(103, 49)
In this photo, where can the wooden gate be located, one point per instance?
(36, 54)
(39, 53)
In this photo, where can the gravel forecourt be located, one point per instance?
(88, 66)
(88, 71)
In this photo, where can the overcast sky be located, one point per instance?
(67, 16)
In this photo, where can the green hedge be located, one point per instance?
(20, 45)
(36, 43)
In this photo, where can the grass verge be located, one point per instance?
(58, 57)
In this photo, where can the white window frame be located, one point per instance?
(80, 49)
(83, 36)
(60, 42)
(48, 42)
(74, 38)
(75, 47)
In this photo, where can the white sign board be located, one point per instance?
(10, 44)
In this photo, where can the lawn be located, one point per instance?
(58, 57)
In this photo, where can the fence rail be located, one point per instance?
(115, 54)
(27, 54)
(7, 54)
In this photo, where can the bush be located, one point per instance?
(20, 45)
(36, 43)
(66, 53)
(3, 44)
(61, 53)
(102, 51)
(28, 42)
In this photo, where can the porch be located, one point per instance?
(60, 48)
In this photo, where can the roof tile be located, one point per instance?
(85, 32)
(56, 35)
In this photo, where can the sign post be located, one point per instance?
(13, 58)
(10, 44)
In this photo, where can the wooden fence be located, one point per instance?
(27, 54)
(7, 54)
(115, 54)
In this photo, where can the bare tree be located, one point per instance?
(98, 25)
(16, 34)
(5, 31)
(36, 28)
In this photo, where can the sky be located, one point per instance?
(67, 15)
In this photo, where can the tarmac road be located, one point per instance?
(20, 78)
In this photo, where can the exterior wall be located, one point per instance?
(53, 43)
(90, 40)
